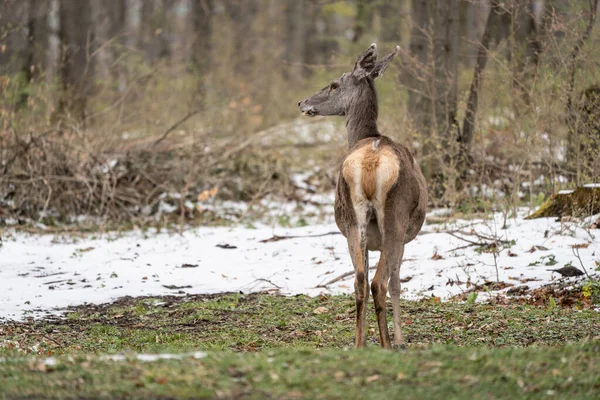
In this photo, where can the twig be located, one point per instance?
(267, 281)
(29, 332)
(176, 124)
(339, 278)
(461, 238)
(277, 238)
(575, 251)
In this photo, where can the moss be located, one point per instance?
(583, 201)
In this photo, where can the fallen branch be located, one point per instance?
(350, 273)
(277, 238)
(339, 278)
(484, 240)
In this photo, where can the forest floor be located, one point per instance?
(256, 346)
(254, 311)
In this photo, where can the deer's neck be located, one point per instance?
(361, 116)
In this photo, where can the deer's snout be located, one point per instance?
(306, 109)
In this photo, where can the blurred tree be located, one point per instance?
(242, 14)
(466, 137)
(525, 49)
(201, 14)
(154, 29)
(364, 18)
(433, 89)
(13, 35)
(75, 68)
(110, 19)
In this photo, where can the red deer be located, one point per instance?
(381, 195)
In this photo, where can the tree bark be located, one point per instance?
(201, 12)
(295, 45)
(362, 23)
(433, 91)
(154, 29)
(525, 50)
(446, 47)
(468, 129)
(76, 67)
(575, 158)
(110, 18)
(417, 71)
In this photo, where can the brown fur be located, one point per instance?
(376, 164)
(370, 162)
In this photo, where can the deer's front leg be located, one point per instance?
(360, 261)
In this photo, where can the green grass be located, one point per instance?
(437, 372)
(268, 346)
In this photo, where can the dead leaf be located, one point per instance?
(470, 380)
(580, 246)
(208, 194)
(162, 380)
(372, 378)
(401, 376)
(436, 300)
(320, 310)
(511, 254)
(436, 256)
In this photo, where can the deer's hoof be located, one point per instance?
(399, 347)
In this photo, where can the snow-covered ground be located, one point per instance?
(42, 273)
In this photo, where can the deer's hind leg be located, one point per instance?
(392, 250)
(360, 260)
(394, 289)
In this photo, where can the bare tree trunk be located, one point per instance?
(75, 67)
(13, 28)
(525, 50)
(295, 48)
(201, 12)
(417, 74)
(362, 23)
(242, 14)
(575, 156)
(472, 22)
(110, 18)
(446, 47)
(154, 29)
(468, 129)
(34, 51)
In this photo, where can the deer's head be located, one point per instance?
(337, 97)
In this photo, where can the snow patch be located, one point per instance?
(41, 274)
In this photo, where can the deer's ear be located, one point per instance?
(365, 62)
(382, 64)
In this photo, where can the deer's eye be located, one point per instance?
(334, 86)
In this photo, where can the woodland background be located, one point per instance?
(109, 107)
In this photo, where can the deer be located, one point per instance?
(381, 193)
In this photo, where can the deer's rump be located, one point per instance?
(376, 170)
